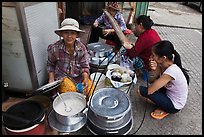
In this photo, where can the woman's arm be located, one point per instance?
(51, 77)
(51, 64)
(121, 22)
(95, 24)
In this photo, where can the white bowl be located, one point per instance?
(112, 66)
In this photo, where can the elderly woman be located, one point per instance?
(68, 56)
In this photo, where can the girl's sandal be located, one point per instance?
(159, 114)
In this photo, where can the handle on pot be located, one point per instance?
(112, 132)
(115, 118)
(85, 111)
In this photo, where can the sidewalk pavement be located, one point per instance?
(174, 14)
(185, 32)
(188, 121)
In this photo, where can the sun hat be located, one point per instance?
(113, 5)
(68, 24)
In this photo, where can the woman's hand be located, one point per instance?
(85, 81)
(95, 24)
(51, 80)
(85, 84)
(107, 31)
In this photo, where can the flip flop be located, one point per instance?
(159, 114)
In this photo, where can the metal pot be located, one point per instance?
(95, 60)
(103, 61)
(123, 130)
(76, 103)
(25, 118)
(99, 50)
(109, 123)
(109, 110)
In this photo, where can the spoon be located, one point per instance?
(67, 109)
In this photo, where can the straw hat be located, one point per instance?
(113, 5)
(68, 24)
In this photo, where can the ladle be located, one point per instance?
(67, 109)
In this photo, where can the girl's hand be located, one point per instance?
(152, 63)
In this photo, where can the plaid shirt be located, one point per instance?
(60, 62)
(118, 17)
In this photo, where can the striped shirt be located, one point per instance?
(60, 62)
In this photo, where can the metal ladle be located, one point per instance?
(67, 109)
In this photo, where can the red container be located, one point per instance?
(37, 129)
(29, 110)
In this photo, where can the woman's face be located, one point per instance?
(69, 36)
(138, 29)
(112, 11)
(155, 57)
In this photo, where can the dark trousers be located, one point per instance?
(98, 32)
(160, 98)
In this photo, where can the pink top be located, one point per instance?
(177, 89)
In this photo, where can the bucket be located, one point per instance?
(101, 82)
(25, 118)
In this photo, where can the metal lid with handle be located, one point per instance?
(110, 103)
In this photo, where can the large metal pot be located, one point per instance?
(99, 50)
(25, 118)
(109, 111)
(107, 123)
(122, 130)
(76, 104)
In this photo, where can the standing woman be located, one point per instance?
(169, 92)
(68, 56)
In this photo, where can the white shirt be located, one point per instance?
(177, 89)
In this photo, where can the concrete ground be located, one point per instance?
(182, 25)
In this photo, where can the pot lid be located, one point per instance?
(110, 102)
(50, 86)
(29, 110)
(75, 103)
(99, 47)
